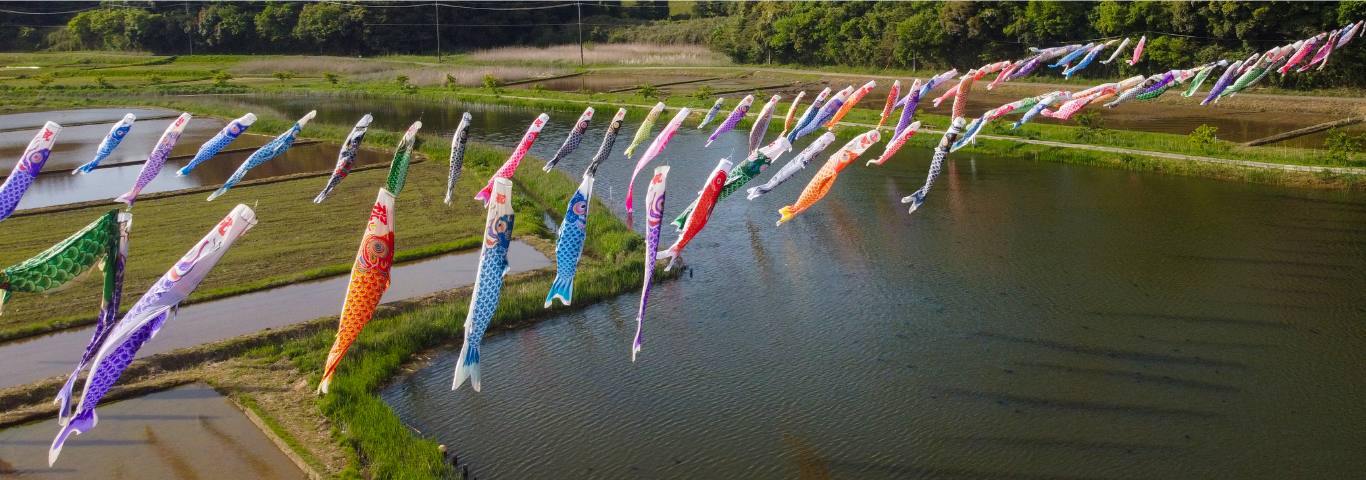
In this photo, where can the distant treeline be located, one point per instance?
(340, 28)
(968, 34)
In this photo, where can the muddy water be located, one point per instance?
(190, 432)
(1032, 320)
(77, 145)
(35, 358)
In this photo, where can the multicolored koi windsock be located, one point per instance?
(895, 144)
(266, 152)
(110, 142)
(820, 184)
(1138, 50)
(743, 172)
(732, 119)
(147, 316)
(792, 113)
(797, 164)
(654, 220)
(30, 163)
(403, 156)
(940, 153)
(908, 106)
(346, 157)
(369, 280)
(572, 142)
(113, 259)
(156, 159)
(1046, 101)
(643, 132)
(809, 115)
(510, 166)
(458, 143)
(574, 228)
(849, 104)
(826, 113)
(1067, 59)
(706, 201)
(1223, 82)
(760, 127)
(220, 141)
(891, 103)
(1118, 51)
(711, 114)
(656, 147)
(488, 283)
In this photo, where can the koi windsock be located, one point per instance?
(731, 120)
(706, 201)
(792, 113)
(654, 220)
(1118, 51)
(743, 172)
(711, 114)
(458, 143)
(760, 127)
(908, 106)
(810, 114)
(510, 166)
(114, 258)
(1300, 54)
(346, 157)
(266, 152)
(569, 240)
(609, 139)
(220, 141)
(1072, 55)
(896, 143)
(1223, 82)
(797, 164)
(147, 316)
(825, 113)
(156, 159)
(30, 163)
(572, 142)
(403, 155)
(369, 280)
(110, 142)
(891, 103)
(488, 281)
(820, 184)
(849, 104)
(64, 264)
(643, 132)
(1138, 50)
(960, 99)
(656, 147)
(936, 164)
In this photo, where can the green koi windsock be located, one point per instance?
(398, 169)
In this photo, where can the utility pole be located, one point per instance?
(579, 7)
(193, 24)
(437, 7)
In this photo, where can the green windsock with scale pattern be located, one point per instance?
(59, 267)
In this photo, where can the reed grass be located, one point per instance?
(605, 54)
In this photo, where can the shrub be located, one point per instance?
(103, 82)
(492, 83)
(1204, 137)
(702, 93)
(282, 75)
(331, 78)
(220, 79)
(155, 78)
(45, 79)
(1342, 147)
(450, 81)
(1092, 127)
(401, 80)
(540, 87)
(647, 90)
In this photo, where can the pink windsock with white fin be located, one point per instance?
(1138, 50)
(510, 166)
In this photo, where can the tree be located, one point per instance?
(401, 80)
(276, 22)
(325, 24)
(220, 79)
(282, 75)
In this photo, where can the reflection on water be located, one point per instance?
(189, 432)
(1032, 320)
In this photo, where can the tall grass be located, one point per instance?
(608, 54)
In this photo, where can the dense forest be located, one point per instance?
(931, 35)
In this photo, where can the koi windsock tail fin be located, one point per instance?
(630, 190)
(132, 196)
(562, 288)
(323, 196)
(635, 347)
(467, 366)
(4, 298)
(81, 424)
(483, 194)
(671, 254)
(752, 193)
(330, 368)
(786, 213)
(218, 193)
(915, 199)
(63, 399)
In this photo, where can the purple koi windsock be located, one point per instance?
(732, 119)
(654, 221)
(30, 163)
(157, 158)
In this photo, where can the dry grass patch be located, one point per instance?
(466, 75)
(615, 53)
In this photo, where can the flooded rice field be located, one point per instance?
(190, 432)
(39, 357)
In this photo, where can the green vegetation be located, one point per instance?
(220, 79)
(401, 80)
(282, 75)
(1343, 147)
(646, 90)
(492, 83)
(331, 78)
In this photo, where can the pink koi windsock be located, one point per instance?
(656, 147)
(896, 143)
(510, 166)
(1138, 50)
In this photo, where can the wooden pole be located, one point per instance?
(1305, 131)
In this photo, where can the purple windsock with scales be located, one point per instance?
(654, 221)
(732, 119)
(30, 163)
(156, 159)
